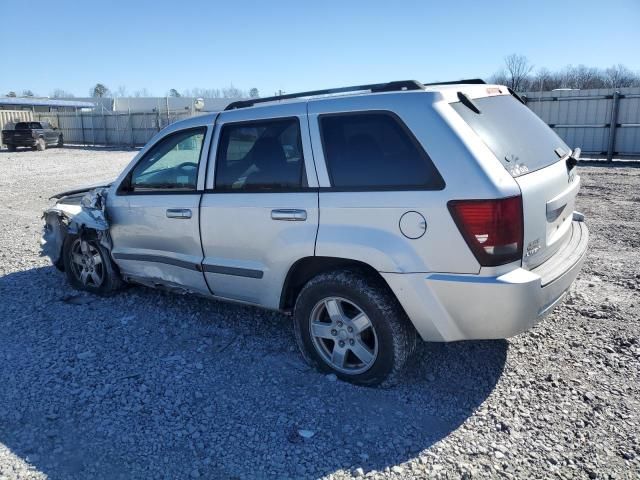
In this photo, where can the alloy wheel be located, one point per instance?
(86, 263)
(343, 335)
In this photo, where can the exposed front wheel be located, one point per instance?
(351, 325)
(89, 267)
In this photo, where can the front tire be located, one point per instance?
(351, 325)
(60, 143)
(88, 266)
(11, 148)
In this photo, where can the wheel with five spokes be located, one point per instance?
(350, 324)
(89, 267)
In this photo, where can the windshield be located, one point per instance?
(518, 137)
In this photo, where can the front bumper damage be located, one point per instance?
(82, 214)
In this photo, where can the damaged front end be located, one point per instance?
(81, 213)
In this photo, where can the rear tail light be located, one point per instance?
(493, 229)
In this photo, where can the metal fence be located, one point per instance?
(110, 128)
(602, 122)
(7, 116)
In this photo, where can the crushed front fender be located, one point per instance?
(76, 218)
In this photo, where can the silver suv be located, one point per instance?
(373, 215)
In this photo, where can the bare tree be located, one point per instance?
(545, 80)
(233, 92)
(254, 93)
(619, 76)
(518, 70)
(99, 90)
(121, 91)
(143, 92)
(60, 93)
(517, 75)
(173, 93)
(583, 77)
(11, 94)
(499, 78)
(27, 93)
(203, 92)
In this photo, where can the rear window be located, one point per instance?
(516, 135)
(27, 125)
(375, 150)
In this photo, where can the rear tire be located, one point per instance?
(350, 324)
(60, 143)
(41, 145)
(11, 148)
(88, 265)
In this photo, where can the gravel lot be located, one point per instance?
(151, 385)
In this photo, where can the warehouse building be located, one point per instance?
(43, 104)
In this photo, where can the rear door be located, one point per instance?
(154, 215)
(382, 200)
(259, 213)
(537, 159)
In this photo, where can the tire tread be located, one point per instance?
(403, 334)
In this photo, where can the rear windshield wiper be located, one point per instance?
(467, 102)
(517, 97)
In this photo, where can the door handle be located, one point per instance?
(178, 213)
(289, 215)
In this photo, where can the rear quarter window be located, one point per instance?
(375, 150)
(518, 137)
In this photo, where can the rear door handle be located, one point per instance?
(178, 213)
(289, 215)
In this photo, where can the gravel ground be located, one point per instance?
(152, 385)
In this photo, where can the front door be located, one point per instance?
(154, 215)
(261, 214)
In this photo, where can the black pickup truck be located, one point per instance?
(37, 135)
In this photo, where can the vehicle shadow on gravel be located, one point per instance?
(147, 384)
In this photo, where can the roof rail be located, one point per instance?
(398, 85)
(376, 87)
(471, 81)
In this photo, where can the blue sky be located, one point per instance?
(299, 45)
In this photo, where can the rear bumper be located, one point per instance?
(450, 307)
(21, 142)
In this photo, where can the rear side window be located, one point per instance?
(517, 137)
(260, 156)
(375, 150)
